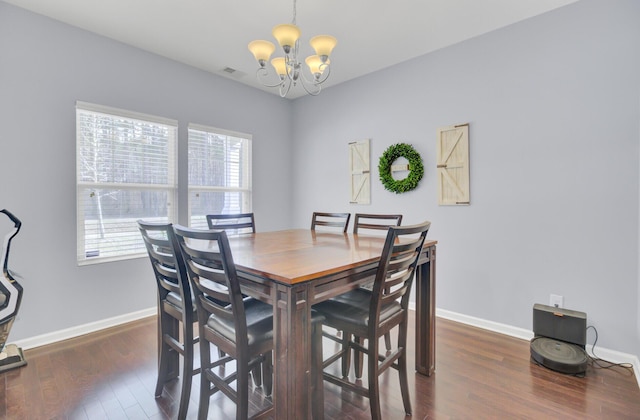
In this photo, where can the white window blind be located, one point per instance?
(126, 170)
(219, 173)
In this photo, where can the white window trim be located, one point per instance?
(248, 174)
(173, 187)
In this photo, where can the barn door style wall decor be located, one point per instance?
(359, 165)
(453, 165)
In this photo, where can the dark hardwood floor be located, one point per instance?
(479, 374)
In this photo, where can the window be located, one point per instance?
(125, 171)
(219, 173)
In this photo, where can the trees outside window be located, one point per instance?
(126, 170)
(219, 173)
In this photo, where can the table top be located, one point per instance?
(298, 255)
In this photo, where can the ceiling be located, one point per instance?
(212, 35)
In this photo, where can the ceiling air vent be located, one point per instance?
(232, 73)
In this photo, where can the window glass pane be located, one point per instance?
(117, 150)
(215, 202)
(125, 172)
(219, 173)
(110, 217)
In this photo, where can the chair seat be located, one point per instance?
(174, 299)
(259, 323)
(352, 308)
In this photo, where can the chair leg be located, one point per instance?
(256, 373)
(404, 383)
(387, 340)
(374, 389)
(267, 374)
(358, 358)
(317, 381)
(163, 365)
(387, 336)
(205, 385)
(174, 356)
(242, 389)
(168, 358)
(402, 368)
(346, 357)
(187, 372)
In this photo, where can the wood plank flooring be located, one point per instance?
(479, 375)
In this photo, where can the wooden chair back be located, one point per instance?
(166, 263)
(376, 221)
(331, 220)
(213, 278)
(396, 270)
(237, 223)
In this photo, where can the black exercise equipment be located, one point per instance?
(11, 356)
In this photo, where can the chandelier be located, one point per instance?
(289, 69)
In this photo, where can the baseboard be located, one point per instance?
(486, 325)
(79, 330)
(602, 353)
(521, 333)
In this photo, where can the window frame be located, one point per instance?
(171, 187)
(246, 189)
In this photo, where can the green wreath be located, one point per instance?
(416, 169)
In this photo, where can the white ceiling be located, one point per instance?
(213, 34)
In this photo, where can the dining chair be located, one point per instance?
(236, 223)
(371, 314)
(241, 327)
(331, 220)
(176, 311)
(377, 222)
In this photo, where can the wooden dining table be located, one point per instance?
(294, 269)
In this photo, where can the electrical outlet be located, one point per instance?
(556, 300)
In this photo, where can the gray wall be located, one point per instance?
(553, 108)
(553, 105)
(45, 67)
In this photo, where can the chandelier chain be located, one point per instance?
(294, 12)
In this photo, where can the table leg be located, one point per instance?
(292, 360)
(426, 315)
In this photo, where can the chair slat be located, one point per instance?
(331, 220)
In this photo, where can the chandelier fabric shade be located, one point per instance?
(289, 69)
